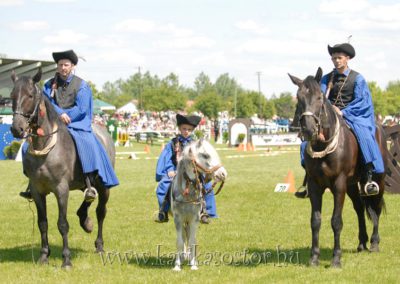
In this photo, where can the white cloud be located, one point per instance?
(175, 31)
(146, 26)
(343, 6)
(30, 26)
(359, 15)
(136, 25)
(272, 47)
(186, 43)
(11, 2)
(56, 1)
(120, 57)
(212, 59)
(252, 26)
(64, 37)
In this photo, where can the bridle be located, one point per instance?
(197, 181)
(332, 142)
(208, 172)
(29, 116)
(32, 121)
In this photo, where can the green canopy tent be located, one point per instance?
(100, 106)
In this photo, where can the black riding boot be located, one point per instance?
(162, 216)
(26, 194)
(304, 193)
(371, 187)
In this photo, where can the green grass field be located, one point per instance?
(260, 236)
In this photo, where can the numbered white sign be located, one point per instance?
(282, 187)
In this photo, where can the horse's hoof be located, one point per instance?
(314, 262)
(100, 250)
(43, 260)
(194, 267)
(67, 265)
(374, 247)
(336, 264)
(361, 247)
(177, 268)
(87, 226)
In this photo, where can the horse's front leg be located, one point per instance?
(40, 202)
(339, 193)
(194, 224)
(101, 211)
(316, 205)
(180, 243)
(63, 226)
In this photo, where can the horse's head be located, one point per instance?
(310, 101)
(25, 102)
(205, 160)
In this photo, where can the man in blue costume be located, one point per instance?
(350, 95)
(72, 99)
(166, 170)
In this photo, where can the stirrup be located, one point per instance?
(88, 194)
(27, 195)
(371, 188)
(302, 194)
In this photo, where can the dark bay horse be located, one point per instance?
(51, 162)
(333, 160)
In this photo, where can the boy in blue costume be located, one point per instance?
(167, 165)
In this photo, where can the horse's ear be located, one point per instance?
(295, 80)
(318, 76)
(37, 76)
(14, 77)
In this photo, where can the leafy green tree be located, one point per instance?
(285, 105)
(202, 84)
(226, 86)
(379, 99)
(209, 104)
(245, 106)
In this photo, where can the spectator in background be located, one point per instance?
(216, 130)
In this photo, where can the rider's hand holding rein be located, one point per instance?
(172, 174)
(65, 118)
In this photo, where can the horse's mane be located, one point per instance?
(51, 112)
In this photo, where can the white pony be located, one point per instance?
(199, 159)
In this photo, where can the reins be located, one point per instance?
(332, 142)
(209, 172)
(31, 124)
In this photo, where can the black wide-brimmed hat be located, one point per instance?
(193, 120)
(68, 54)
(346, 48)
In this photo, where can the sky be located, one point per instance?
(117, 38)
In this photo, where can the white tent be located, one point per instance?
(128, 108)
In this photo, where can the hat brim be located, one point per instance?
(345, 48)
(68, 54)
(193, 120)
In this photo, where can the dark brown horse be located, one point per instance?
(333, 160)
(51, 162)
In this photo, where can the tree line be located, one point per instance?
(225, 94)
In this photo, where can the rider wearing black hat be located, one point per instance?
(348, 92)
